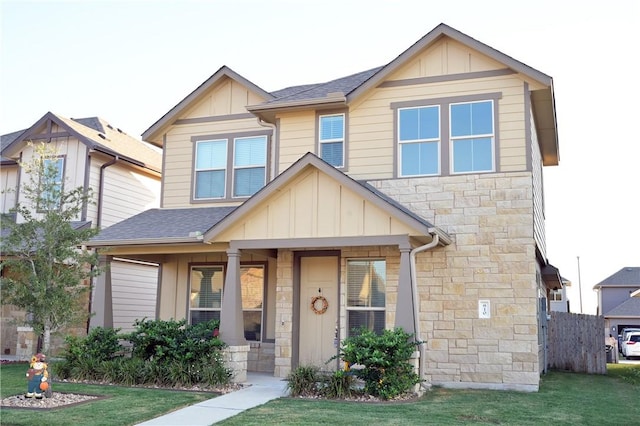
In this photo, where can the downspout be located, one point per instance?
(414, 287)
(273, 145)
(99, 221)
(101, 189)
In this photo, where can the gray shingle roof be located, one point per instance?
(313, 91)
(628, 308)
(629, 276)
(164, 224)
(5, 141)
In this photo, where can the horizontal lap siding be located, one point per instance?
(297, 137)
(134, 293)
(127, 193)
(371, 138)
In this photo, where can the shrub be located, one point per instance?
(303, 381)
(339, 384)
(384, 361)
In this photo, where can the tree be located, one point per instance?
(46, 269)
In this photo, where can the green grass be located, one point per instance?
(563, 399)
(123, 406)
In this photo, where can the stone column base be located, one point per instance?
(236, 358)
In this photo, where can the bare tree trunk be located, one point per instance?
(46, 343)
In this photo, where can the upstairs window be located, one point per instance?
(366, 295)
(249, 165)
(51, 183)
(210, 169)
(331, 137)
(472, 137)
(419, 141)
(223, 171)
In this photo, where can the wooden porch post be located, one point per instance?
(231, 320)
(406, 306)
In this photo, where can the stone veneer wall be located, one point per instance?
(490, 218)
(284, 314)
(261, 357)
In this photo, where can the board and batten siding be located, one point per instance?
(134, 292)
(8, 186)
(75, 158)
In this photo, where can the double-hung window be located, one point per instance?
(249, 165)
(419, 140)
(206, 288)
(366, 295)
(51, 183)
(235, 166)
(472, 136)
(331, 138)
(211, 169)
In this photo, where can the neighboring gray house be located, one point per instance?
(619, 299)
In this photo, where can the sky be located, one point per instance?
(130, 62)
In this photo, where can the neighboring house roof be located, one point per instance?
(629, 276)
(178, 225)
(342, 91)
(98, 135)
(76, 225)
(551, 276)
(628, 308)
(5, 141)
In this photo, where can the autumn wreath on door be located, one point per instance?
(319, 305)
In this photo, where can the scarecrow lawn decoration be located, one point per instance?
(38, 377)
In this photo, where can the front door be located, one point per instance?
(318, 321)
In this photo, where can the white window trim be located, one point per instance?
(342, 140)
(253, 166)
(196, 170)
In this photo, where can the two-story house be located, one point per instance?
(408, 195)
(124, 174)
(619, 300)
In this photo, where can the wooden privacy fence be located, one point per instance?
(576, 343)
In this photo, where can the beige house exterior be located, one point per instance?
(409, 195)
(124, 174)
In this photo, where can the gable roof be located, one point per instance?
(223, 72)
(5, 141)
(340, 92)
(367, 192)
(629, 276)
(98, 135)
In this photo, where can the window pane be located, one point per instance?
(250, 152)
(211, 154)
(332, 153)
(420, 123)
(366, 283)
(419, 159)
(372, 320)
(472, 155)
(197, 317)
(252, 279)
(472, 119)
(210, 184)
(252, 324)
(206, 287)
(248, 181)
(332, 127)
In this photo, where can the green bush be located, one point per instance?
(339, 384)
(164, 353)
(303, 381)
(382, 361)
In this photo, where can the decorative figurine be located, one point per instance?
(37, 376)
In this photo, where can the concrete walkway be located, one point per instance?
(261, 388)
